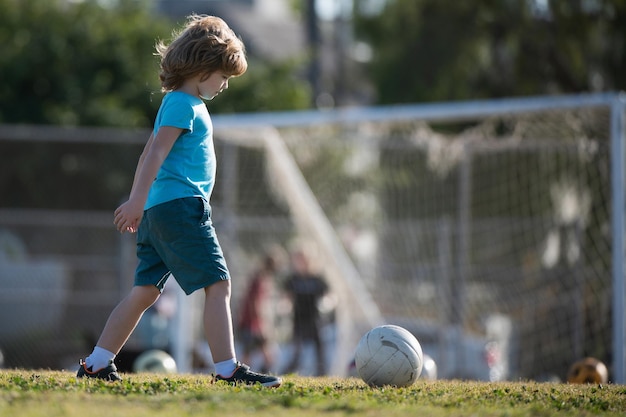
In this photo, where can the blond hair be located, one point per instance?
(205, 45)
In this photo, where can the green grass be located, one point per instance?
(29, 393)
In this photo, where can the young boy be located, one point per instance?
(168, 206)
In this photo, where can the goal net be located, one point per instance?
(486, 233)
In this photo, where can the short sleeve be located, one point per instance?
(177, 112)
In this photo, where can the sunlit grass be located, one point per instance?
(30, 393)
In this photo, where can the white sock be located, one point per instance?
(226, 368)
(99, 358)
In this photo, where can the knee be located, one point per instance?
(144, 296)
(219, 290)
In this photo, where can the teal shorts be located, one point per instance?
(177, 238)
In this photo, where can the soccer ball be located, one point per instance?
(389, 355)
(155, 361)
(588, 371)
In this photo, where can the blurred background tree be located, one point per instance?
(440, 50)
(91, 63)
(83, 64)
(78, 63)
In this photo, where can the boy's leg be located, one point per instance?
(219, 333)
(120, 325)
(218, 326)
(125, 316)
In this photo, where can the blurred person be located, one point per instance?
(169, 208)
(306, 290)
(255, 324)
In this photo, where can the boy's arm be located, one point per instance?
(128, 215)
(141, 158)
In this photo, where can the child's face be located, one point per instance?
(209, 87)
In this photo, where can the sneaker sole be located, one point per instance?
(274, 384)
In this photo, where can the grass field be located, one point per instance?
(30, 393)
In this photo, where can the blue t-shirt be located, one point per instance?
(189, 169)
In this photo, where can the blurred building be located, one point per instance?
(269, 28)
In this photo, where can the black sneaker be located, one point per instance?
(108, 373)
(243, 375)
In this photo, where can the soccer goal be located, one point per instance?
(491, 229)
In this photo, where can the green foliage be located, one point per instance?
(266, 86)
(82, 64)
(78, 63)
(424, 50)
(433, 50)
(39, 393)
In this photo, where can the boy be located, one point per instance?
(168, 206)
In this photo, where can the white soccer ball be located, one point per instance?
(155, 361)
(389, 355)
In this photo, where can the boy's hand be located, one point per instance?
(128, 216)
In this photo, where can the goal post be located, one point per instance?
(618, 182)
